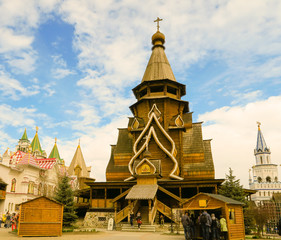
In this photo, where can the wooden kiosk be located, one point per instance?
(230, 209)
(41, 216)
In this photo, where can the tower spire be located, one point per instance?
(261, 144)
(158, 67)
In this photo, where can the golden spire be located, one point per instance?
(79, 143)
(37, 128)
(259, 124)
(55, 140)
(158, 20)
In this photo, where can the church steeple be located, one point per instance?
(262, 152)
(78, 166)
(55, 152)
(24, 136)
(158, 67)
(261, 144)
(35, 144)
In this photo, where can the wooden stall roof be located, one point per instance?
(147, 191)
(39, 198)
(217, 197)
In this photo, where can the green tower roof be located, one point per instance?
(35, 144)
(55, 152)
(24, 136)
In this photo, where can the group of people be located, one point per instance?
(9, 220)
(138, 219)
(210, 227)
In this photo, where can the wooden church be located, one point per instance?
(160, 159)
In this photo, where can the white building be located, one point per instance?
(264, 173)
(28, 173)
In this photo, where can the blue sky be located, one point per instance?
(69, 67)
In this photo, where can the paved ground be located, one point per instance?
(6, 234)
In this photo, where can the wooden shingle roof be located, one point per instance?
(143, 191)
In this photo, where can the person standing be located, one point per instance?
(162, 221)
(185, 220)
(138, 218)
(132, 218)
(205, 222)
(8, 220)
(223, 228)
(215, 227)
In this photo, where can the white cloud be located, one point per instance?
(234, 134)
(60, 73)
(13, 88)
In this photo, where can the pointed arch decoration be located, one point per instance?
(145, 160)
(154, 114)
(179, 122)
(154, 110)
(135, 124)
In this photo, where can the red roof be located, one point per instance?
(28, 158)
(46, 163)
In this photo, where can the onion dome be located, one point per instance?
(158, 38)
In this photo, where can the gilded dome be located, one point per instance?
(158, 38)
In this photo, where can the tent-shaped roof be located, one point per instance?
(24, 136)
(158, 67)
(78, 161)
(55, 152)
(35, 144)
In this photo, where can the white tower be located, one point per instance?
(265, 173)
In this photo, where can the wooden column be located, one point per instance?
(216, 189)
(115, 209)
(91, 197)
(130, 209)
(149, 211)
(105, 196)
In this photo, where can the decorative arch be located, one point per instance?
(154, 114)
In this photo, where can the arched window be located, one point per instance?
(259, 179)
(268, 179)
(268, 193)
(30, 188)
(261, 159)
(276, 179)
(13, 186)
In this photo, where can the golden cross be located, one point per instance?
(158, 20)
(55, 140)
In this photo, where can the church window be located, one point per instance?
(30, 188)
(143, 92)
(267, 159)
(171, 90)
(268, 179)
(13, 187)
(263, 193)
(156, 89)
(268, 193)
(260, 194)
(259, 179)
(261, 159)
